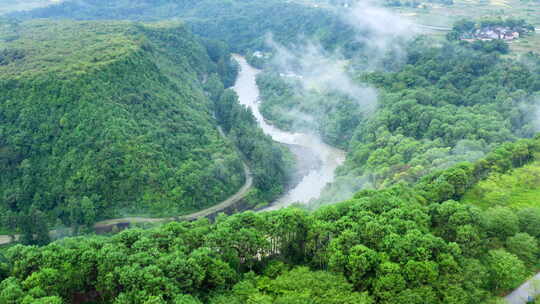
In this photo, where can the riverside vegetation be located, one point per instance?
(107, 118)
(443, 105)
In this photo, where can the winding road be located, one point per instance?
(192, 216)
(521, 295)
(526, 291)
(434, 27)
(231, 201)
(5, 239)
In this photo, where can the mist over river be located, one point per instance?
(328, 158)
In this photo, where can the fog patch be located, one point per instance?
(314, 69)
(343, 188)
(536, 119)
(380, 31)
(527, 118)
(464, 151)
(381, 36)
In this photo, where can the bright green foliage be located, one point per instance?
(446, 104)
(524, 246)
(398, 245)
(529, 221)
(501, 222)
(303, 286)
(296, 286)
(142, 111)
(12, 293)
(519, 188)
(103, 119)
(506, 270)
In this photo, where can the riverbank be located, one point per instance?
(317, 160)
(315, 166)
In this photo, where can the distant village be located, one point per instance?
(489, 30)
(489, 33)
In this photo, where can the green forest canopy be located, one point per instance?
(241, 24)
(398, 245)
(418, 239)
(103, 119)
(448, 103)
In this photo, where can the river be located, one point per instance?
(329, 158)
(306, 147)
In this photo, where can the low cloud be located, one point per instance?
(536, 120)
(382, 36)
(315, 69)
(381, 32)
(381, 25)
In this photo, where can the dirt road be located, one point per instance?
(5, 239)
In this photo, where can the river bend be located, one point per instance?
(312, 183)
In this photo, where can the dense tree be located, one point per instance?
(243, 25)
(524, 246)
(446, 105)
(506, 270)
(95, 134)
(501, 222)
(157, 89)
(529, 221)
(396, 245)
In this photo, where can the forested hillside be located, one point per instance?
(403, 244)
(242, 24)
(445, 104)
(110, 118)
(104, 119)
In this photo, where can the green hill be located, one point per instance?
(105, 119)
(242, 24)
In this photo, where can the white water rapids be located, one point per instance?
(311, 185)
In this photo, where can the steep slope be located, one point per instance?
(105, 119)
